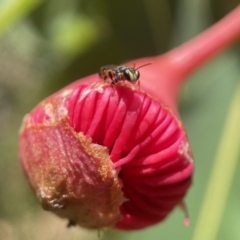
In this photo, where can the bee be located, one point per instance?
(120, 73)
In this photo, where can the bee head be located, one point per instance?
(131, 74)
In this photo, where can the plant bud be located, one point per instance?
(106, 156)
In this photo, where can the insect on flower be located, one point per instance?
(120, 73)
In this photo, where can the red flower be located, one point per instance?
(91, 150)
(105, 156)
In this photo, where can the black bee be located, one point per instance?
(120, 73)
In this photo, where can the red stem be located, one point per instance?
(173, 67)
(197, 51)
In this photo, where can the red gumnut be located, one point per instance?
(118, 156)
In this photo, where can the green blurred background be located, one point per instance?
(45, 45)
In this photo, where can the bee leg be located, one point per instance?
(71, 223)
(113, 82)
(138, 82)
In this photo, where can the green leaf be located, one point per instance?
(12, 11)
(73, 34)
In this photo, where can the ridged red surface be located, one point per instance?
(146, 143)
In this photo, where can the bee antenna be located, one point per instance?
(143, 65)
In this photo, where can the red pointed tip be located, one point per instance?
(186, 221)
